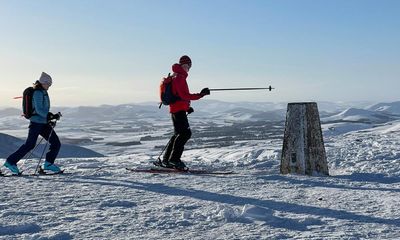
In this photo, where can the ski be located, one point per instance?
(159, 164)
(11, 175)
(39, 173)
(176, 171)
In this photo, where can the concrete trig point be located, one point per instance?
(303, 149)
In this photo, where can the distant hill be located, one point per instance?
(10, 112)
(359, 115)
(9, 144)
(108, 112)
(392, 108)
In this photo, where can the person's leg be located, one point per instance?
(168, 149)
(179, 145)
(183, 134)
(34, 131)
(51, 136)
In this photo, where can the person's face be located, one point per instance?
(46, 86)
(186, 67)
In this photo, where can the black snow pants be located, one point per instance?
(181, 135)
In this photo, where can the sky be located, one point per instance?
(116, 52)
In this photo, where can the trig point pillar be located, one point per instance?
(303, 149)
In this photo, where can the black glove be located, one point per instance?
(51, 116)
(205, 91)
(57, 116)
(190, 110)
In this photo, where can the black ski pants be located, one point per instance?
(181, 135)
(36, 129)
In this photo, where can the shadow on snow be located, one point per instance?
(360, 179)
(241, 201)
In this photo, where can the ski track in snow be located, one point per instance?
(99, 199)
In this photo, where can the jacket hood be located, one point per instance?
(176, 68)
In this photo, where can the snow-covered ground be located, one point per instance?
(98, 199)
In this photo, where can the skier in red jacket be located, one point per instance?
(178, 110)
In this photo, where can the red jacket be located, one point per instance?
(181, 89)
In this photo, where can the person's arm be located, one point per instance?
(182, 90)
(38, 100)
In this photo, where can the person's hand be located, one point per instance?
(190, 110)
(205, 91)
(51, 116)
(57, 116)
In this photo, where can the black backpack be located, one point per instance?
(166, 95)
(27, 107)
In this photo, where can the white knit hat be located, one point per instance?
(45, 79)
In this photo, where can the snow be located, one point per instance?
(98, 199)
(330, 129)
(391, 127)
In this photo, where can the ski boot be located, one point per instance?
(47, 166)
(163, 163)
(178, 165)
(13, 168)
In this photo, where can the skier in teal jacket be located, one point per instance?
(40, 124)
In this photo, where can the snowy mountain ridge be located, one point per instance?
(359, 115)
(392, 107)
(205, 108)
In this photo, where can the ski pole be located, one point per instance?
(31, 152)
(44, 149)
(241, 89)
(159, 156)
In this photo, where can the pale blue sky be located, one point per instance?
(112, 52)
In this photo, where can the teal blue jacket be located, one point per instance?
(41, 106)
